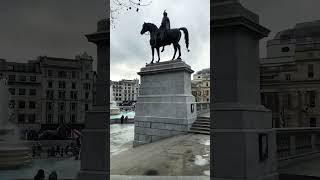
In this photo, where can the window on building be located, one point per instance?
(33, 78)
(312, 98)
(49, 106)
(32, 118)
(22, 91)
(73, 106)
(49, 118)
(285, 49)
(21, 118)
(62, 94)
(32, 105)
(313, 122)
(86, 107)
(208, 100)
(50, 73)
(50, 83)
(207, 84)
(32, 92)
(287, 100)
(22, 104)
(61, 119)
(87, 95)
(61, 106)
(310, 71)
(288, 77)
(74, 85)
(12, 91)
(50, 94)
(73, 74)
(87, 75)
(62, 74)
(73, 95)
(62, 84)
(12, 77)
(73, 118)
(22, 78)
(12, 104)
(86, 86)
(10, 67)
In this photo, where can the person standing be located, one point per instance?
(40, 175)
(126, 119)
(121, 119)
(53, 176)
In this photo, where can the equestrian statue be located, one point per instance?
(163, 36)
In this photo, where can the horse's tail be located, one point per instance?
(186, 36)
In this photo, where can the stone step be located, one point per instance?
(199, 132)
(201, 125)
(200, 128)
(203, 120)
(200, 122)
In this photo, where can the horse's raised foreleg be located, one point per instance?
(162, 49)
(175, 51)
(158, 54)
(152, 49)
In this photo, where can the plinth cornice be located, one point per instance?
(228, 14)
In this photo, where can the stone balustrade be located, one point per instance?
(203, 107)
(295, 144)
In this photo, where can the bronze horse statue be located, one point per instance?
(172, 36)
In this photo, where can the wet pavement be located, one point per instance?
(183, 155)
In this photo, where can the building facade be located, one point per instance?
(50, 91)
(290, 76)
(125, 90)
(200, 86)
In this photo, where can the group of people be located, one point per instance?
(58, 151)
(36, 150)
(31, 135)
(41, 175)
(122, 119)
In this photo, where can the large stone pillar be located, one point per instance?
(95, 151)
(165, 105)
(244, 145)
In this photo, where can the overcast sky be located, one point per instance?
(57, 27)
(48, 27)
(130, 51)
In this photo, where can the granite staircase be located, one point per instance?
(201, 126)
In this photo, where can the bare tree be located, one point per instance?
(117, 6)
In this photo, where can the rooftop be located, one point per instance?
(301, 30)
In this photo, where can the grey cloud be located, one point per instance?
(44, 27)
(135, 48)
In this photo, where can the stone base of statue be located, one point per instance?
(165, 106)
(94, 156)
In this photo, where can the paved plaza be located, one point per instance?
(183, 155)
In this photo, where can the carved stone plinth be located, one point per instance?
(165, 106)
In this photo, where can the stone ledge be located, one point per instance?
(167, 66)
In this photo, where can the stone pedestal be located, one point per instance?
(94, 156)
(95, 149)
(165, 106)
(244, 143)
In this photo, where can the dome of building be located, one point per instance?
(301, 30)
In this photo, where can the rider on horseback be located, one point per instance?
(165, 25)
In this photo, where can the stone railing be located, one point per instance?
(129, 108)
(203, 107)
(294, 144)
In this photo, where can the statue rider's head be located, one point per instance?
(165, 13)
